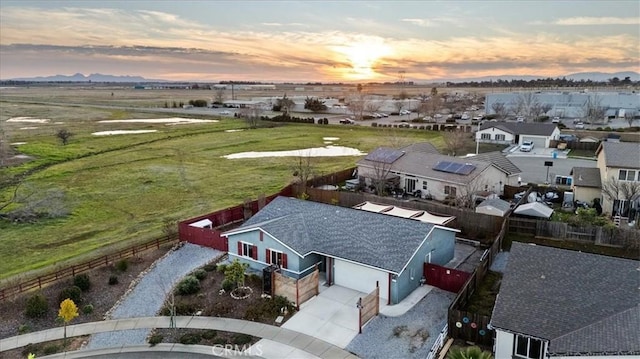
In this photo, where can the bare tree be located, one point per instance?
(32, 203)
(398, 105)
(395, 138)
(381, 172)
(500, 109)
(218, 96)
(251, 115)
(357, 105)
(593, 110)
(303, 171)
(64, 135)
(615, 189)
(455, 141)
(526, 104)
(629, 115)
(545, 108)
(466, 194)
(372, 106)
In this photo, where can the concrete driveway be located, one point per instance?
(331, 316)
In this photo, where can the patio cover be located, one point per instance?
(534, 209)
(433, 219)
(205, 223)
(403, 212)
(373, 207)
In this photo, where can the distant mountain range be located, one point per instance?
(593, 76)
(90, 78)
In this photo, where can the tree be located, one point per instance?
(381, 172)
(500, 109)
(68, 311)
(251, 115)
(284, 104)
(235, 272)
(592, 109)
(398, 105)
(621, 191)
(28, 203)
(468, 353)
(358, 104)
(630, 116)
(455, 141)
(303, 171)
(64, 135)
(314, 104)
(218, 96)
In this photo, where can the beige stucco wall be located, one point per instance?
(586, 194)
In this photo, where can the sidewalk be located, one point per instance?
(303, 342)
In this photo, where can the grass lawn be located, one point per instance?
(582, 153)
(120, 189)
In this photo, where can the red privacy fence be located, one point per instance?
(448, 279)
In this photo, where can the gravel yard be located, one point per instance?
(147, 297)
(408, 336)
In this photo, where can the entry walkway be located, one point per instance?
(306, 343)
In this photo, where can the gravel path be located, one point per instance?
(404, 336)
(500, 262)
(147, 297)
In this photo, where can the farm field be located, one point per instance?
(121, 189)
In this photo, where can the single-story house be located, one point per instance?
(586, 183)
(619, 162)
(563, 304)
(541, 134)
(434, 175)
(494, 207)
(352, 248)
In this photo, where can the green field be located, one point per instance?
(120, 189)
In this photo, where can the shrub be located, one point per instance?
(87, 309)
(122, 265)
(219, 341)
(210, 267)
(200, 274)
(190, 338)
(37, 306)
(209, 334)
(113, 280)
(185, 309)
(221, 309)
(23, 329)
(74, 293)
(155, 339)
(189, 285)
(227, 285)
(242, 339)
(82, 281)
(50, 349)
(222, 268)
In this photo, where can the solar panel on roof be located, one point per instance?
(453, 167)
(384, 155)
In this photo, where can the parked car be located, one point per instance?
(347, 121)
(405, 112)
(225, 112)
(526, 146)
(580, 125)
(520, 119)
(555, 120)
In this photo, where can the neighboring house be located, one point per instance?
(586, 184)
(434, 175)
(541, 134)
(352, 248)
(558, 303)
(502, 162)
(494, 207)
(619, 161)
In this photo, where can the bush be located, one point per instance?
(227, 285)
(242, 339)
(190, 338)
(268, 309)
(82, 281)
(155, 339)
(122, 265)
(113, 280)
(222, 268)
(74, 293)
(209, 334)
(50, 349)
(87, 309)
(37, 306)
(200, 274)
(189, 285)
(23, 329)
(210, 267)
(219, 341)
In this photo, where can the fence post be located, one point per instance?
(360, 315)
(377, 297)
(297, 296)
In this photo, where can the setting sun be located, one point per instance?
(362, 56)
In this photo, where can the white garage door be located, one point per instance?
(360, 278)
(538, 142)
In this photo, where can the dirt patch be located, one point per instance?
(101, 296)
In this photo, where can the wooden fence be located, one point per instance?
(620, 237)
(368, 307)
(577, 145)
(73, 270)
(297, 291)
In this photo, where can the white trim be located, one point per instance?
(227, 234)
(416, 251)
(261, 262)
(354, 262)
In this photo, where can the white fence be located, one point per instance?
(439, 343)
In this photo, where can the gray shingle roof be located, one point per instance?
(621, 154)
(586, 177)
(422, 163)
(378, 240)
(425, 147)
(499, 160)
(519, 128)
(564, 296)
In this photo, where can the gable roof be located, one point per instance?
(499, 160)
(377, 240)
(571, 299)
(620, 154)
(421, 164)
(520, 128)
(586, 177)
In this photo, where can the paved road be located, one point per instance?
(534, 171)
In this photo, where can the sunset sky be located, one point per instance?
(328, 41)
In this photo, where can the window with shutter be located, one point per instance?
(284, 260)
(268, 256)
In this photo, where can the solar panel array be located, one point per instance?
(384, 155)
(453, 167)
